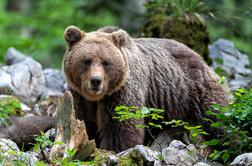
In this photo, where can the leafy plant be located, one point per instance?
(236, 121)
(42, 141)
(69, 161)
(194, 130)
(126, 113)
(155, 115)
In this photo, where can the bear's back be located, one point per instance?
(168, 50)
(178, 76)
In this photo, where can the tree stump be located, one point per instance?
(71, 132)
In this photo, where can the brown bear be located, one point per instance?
(108, 68)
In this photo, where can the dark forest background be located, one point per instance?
(36, 27)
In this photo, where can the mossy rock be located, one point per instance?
(188, 29)
(133, 159)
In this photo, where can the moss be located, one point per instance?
(132, 159)
(101, 156)
(189, 29)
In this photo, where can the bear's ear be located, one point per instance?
(73, 34)
(120, 38)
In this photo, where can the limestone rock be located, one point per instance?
(24, 79)
(149, 156)
(201, 164)
(13, 56)
(10, 153)
(162, 141)
(243, 160)
(179, 154)
(232, 63)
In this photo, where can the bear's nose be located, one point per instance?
(95, 82)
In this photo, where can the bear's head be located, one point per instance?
(94, 64)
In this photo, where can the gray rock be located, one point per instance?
(179, 154)
(162, 141)
(216, 164)
(7, 145)
(102, 164)
(51, 133)
(10, 153)
(235, 64)
(240, 81)
(148, 155)
(54, 82)
(13, 56)
(243, 160)
(28, 158)
(6, 80)
(24, 79)
(201, 164)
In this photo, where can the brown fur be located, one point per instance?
(156, 73)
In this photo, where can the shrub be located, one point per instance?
(155, 115)
(236, 121)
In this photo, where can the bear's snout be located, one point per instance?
(95, 83)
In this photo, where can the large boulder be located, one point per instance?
(24, 79)
(13, 56)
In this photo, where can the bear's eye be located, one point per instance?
(105, 63)
(88, 62)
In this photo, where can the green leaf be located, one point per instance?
(215, 125)
(203, 132)
(215, 155)
(195, 135)
(210, 113)
(225, 156)
(158, 126)
(151, 124)
(212, 142)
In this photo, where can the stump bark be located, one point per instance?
(71, 132)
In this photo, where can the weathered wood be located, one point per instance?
(72, 132)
